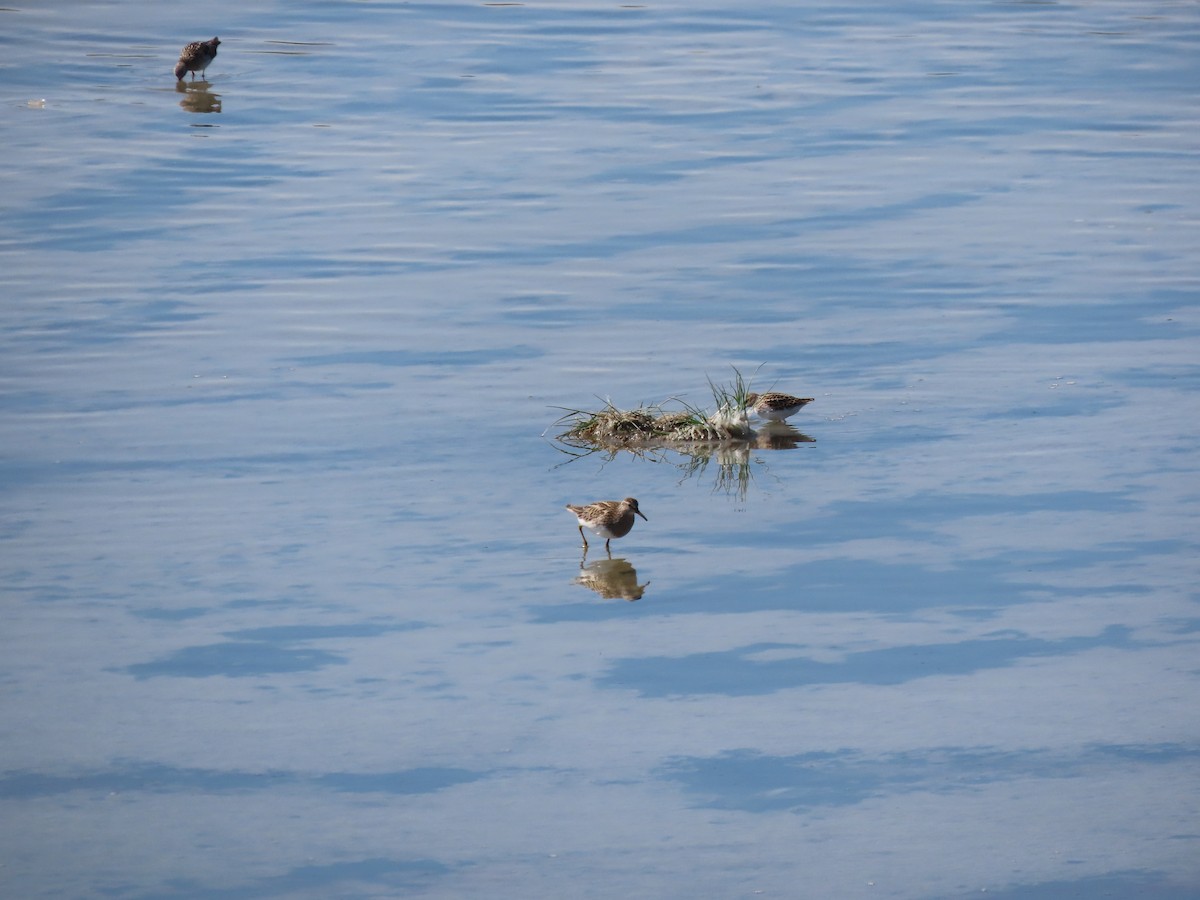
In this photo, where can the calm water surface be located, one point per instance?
(292, 607)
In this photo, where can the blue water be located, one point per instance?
(292, 605)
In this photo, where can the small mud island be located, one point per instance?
(676, 425)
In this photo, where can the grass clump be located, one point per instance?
(689, 425)
(612, 426)
(732, 395)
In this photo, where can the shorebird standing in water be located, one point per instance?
(774, 406)
(607, 518)
(195, 57)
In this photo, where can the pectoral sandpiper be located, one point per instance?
(195, 57)
(775, 406)
(608, 518)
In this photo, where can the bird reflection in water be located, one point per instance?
(612, 579)
(197, 98)
(780, 436)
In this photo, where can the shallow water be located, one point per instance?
(293, 607)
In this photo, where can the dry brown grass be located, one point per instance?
(648, 425)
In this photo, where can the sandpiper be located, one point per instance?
(195, 57)
(775, 406)
(607, 518)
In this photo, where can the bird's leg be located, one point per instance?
(607, 548)
(584, 536)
